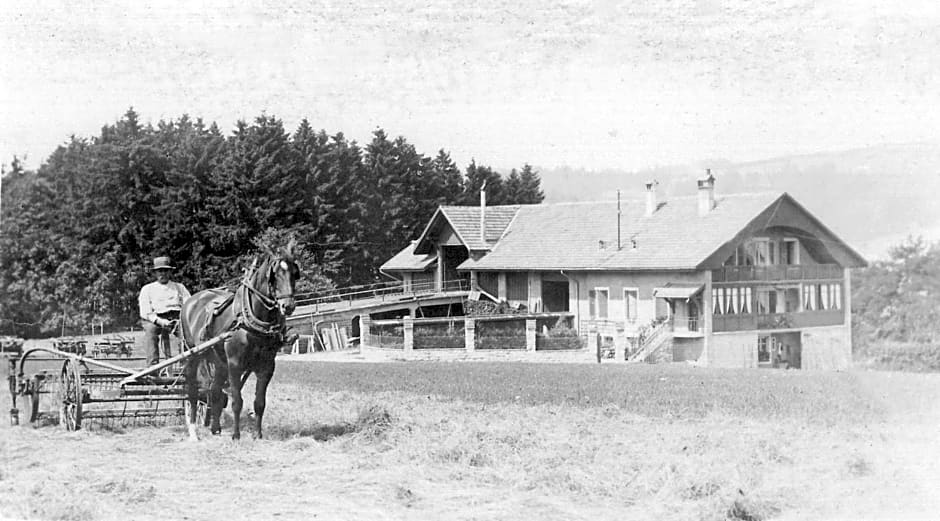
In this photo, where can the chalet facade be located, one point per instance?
(740, 280)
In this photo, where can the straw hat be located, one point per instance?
(162, 263)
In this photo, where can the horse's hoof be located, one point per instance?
(216, 432)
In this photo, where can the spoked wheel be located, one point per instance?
(70, 397)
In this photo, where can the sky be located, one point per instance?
(588, 84)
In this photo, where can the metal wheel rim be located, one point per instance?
(70, 394)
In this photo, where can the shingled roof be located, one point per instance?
(583, 236)
(465, 221)
(406, 260)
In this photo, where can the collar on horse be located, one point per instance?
(244, 312)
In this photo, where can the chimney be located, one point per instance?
(706, 193)
(651, 200)
(483, 213)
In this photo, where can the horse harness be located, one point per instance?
(245, 317)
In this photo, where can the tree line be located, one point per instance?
(78, 234)
(897, 299)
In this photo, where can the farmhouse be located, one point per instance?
(736, 280)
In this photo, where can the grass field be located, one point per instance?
(511, 441)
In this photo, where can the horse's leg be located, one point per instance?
(263, 375)
(235, 393)
(216, 396)
(192, 391)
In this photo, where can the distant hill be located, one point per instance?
(872, 197)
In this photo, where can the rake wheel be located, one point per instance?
(70, 397)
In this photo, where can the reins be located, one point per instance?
(246, 315)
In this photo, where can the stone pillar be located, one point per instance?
(502, 292)
(365, 330)
(530, 335)
(620, 345)
(469, 334)
(408, 324)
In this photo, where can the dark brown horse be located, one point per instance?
(254, 314)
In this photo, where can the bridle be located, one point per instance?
(273, 304)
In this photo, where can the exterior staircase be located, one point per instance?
(653, 340)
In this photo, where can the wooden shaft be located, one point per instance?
(170, 361)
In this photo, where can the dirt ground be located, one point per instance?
(351, 456)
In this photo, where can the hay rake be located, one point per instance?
(75, 389)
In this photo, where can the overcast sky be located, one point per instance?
(585, 84)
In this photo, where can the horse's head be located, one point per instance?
(281, 274)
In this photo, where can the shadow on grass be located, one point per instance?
(319, 432)
(372, 421)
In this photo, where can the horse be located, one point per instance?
(254, 313)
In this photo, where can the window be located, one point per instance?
(809, 297)
(716, 301)
(729, 300)
(763, 349)
(746, 254)
(765, 252)
(766, 301)
(630, 297)
(599, 298)
(791, 299)
(745, 300)
(790, 252)
(837, 296)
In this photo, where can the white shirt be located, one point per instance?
(159, 298)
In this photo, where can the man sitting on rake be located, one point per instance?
(160, 303)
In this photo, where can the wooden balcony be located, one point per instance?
(777, 273)
(751, 322)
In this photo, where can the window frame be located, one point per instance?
(626, 304)
(795, 260)
(596, 308)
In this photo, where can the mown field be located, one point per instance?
(511, 441)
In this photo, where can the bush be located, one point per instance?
(901, 357)
(559, 337)
(500, 334)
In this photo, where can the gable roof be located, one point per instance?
(584, 236)
(465, 222)
(407, 260)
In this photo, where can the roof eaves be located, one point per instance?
(858, 257)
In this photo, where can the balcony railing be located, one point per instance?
(796, 320)
(381, 291)
(777, 272)
(689, 324)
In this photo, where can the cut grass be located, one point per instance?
(664, 391)
(508, 441)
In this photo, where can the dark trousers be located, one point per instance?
(153, 334)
